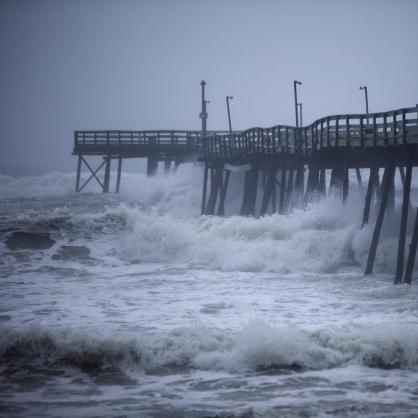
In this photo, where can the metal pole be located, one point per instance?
(295, 83)
(229, 112)
(366, 97)
(300, 114)
(203, 115)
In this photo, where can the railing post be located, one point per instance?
(374, 131)
(385, 128)
(404, 126)
(328, 133)
(361, 131)
(273, 139)
(347, 122)
(287, 139)
(337, 136)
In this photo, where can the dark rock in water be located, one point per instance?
(71, 252)
(21, 240)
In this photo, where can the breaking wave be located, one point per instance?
(258, 346)
(157, 220)
(178, 193)
(325, 237)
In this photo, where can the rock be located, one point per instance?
(71, 252)
(21, 240)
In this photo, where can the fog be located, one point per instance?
(98, 64)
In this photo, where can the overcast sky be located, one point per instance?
(97, 64)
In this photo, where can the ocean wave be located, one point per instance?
(257, 347)
(324, 237)
(157, 220)
(178, 193)
(50, 184)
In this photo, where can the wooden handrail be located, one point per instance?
(384, 128)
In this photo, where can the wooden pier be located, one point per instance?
(283, 165)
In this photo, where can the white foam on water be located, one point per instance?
(257, 346)
(204, 310)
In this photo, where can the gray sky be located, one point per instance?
(97, 64)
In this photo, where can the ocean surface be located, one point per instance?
(133, 305)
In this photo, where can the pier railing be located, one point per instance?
(395, 127)
(117, 142)
(391, 128)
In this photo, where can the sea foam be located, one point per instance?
(258, 346)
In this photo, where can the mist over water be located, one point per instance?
(119, 305)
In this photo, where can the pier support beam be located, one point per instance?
(404, 222)
(289, 191)
(224, 188)
(77, 181)
(93, 173)
(282, 199)
(369, 194)
(216, 184)
(312, 184)
(359, 181)
(412, 253)
(268, 190)
(332, 182)
(167, 165)
(299, 185)
(204, 191)
(345, 181)
(119, 174)
(387, 178)
(250, 192)
(152, 165)
(106, 181)
(322, 183)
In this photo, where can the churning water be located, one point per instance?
(133, 305)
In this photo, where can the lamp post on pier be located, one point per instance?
(203, 115)
(295, 83)
(228, 98)
(300, 114)
(366, 97)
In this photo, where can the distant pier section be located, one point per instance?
(170, 147)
